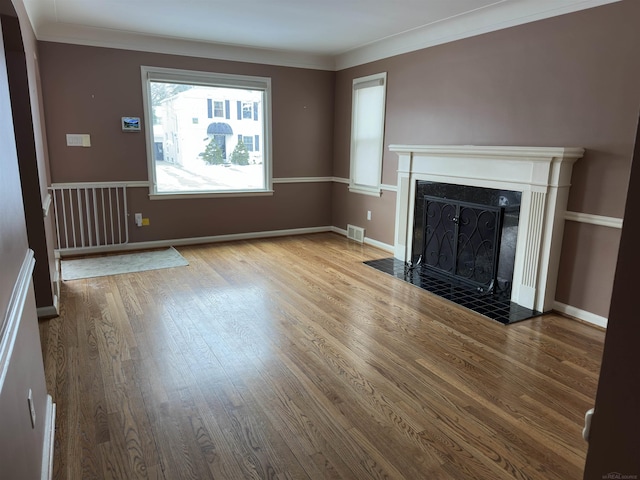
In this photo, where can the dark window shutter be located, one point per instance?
(239, 138)
(255, 110)
(239, 110)
(209, 108)
(227, 113)
(256, 143)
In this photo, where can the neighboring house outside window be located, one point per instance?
(189, 117)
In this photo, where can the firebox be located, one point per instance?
(466, 235)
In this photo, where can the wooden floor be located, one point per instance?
(290, 359)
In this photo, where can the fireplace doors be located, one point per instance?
(462, 241)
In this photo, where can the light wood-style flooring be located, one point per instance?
(288, 358)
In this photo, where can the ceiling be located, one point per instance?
(336, 32)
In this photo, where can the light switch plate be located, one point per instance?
(78, 140)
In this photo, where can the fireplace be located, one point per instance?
(536, 180)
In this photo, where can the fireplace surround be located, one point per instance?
(541, 174)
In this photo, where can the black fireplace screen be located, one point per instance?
(466, 234)
(462, 240)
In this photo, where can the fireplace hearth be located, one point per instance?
(496, 306)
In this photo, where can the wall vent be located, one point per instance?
(355, 233)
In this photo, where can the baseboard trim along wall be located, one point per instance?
(367, 240)
(176, 242)
(580, 314)
(49, 434)
(50, 310)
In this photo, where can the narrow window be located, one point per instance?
(367, 133)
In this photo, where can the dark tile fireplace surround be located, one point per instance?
(464, 244)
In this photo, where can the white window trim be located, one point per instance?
(216, 80)
(363, 82)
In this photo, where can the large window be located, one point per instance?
(194, 147)
(367, 133)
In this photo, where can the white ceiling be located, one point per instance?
(324, 32)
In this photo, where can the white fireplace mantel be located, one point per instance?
(542, 174)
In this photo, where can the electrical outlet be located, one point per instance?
(138, 219)
(32, 409)
(368, 214)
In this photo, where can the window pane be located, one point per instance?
(218, 109)
(247, 110)
(193, 152)
(248, 142)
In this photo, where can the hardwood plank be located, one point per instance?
(287, 358)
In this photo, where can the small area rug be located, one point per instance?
(117, 264)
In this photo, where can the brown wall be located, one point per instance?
(292, 206)
(614, 443)
(88, 89)
(571, 81)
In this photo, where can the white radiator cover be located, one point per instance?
(542, 174)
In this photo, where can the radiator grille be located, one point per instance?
(355, 233)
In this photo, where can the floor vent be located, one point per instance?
(355, 233)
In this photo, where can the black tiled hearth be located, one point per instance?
(495, 307)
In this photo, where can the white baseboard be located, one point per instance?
(380, 245)
(50, 310)
(367, 240)
(176, 242)
(47, 312)
(581, 314)
(49, 434)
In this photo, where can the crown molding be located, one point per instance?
(101, 37)
(500, 15)
(489, 19)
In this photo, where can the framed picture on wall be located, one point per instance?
(130, 124)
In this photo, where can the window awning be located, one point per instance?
(219, 128)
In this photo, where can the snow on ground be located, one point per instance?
(174, 178)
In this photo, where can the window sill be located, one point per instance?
(235, 193)
(374, 192)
